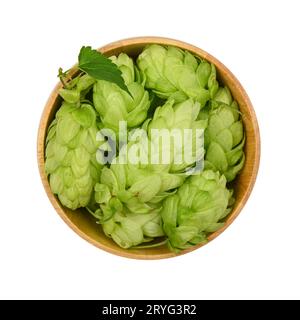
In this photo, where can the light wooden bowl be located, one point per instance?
(84, 224)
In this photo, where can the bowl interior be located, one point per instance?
(84, 224)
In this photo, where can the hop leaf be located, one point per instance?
(99, 67)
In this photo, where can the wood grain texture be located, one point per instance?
(84, 224)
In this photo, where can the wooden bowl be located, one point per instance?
(84, 224)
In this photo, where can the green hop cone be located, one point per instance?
(195, 210)
(135, 190)
(132, 229)
(184, 132)
(224, 137)
(115, 104)
(70, 154)
(130, 198)
(173, 73)
(125, 211)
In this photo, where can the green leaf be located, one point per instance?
(100, 67)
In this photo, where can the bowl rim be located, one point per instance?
(144, 41)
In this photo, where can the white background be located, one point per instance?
(257, 257)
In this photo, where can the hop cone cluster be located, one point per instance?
(135, 190)
(124, 212)
(173, 73)
(156, 196)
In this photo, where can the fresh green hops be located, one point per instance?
(173, 73)
(169, 195)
